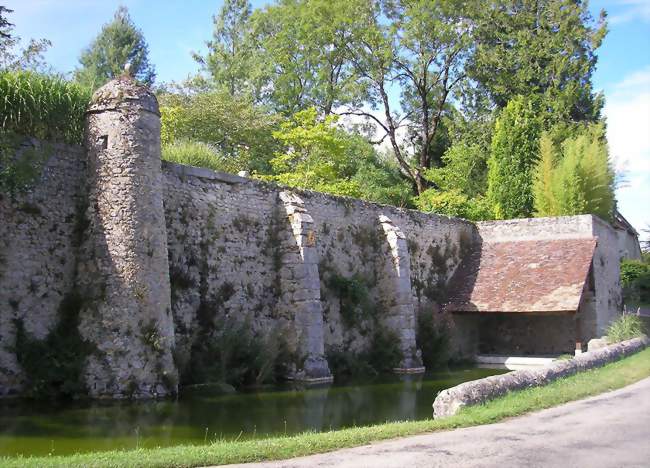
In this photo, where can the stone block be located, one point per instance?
(450, 401)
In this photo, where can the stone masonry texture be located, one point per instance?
(156, 248)
(124, 267)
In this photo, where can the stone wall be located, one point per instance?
(230, 246)
(244, 250)
(606, 275)
(39, 239)
(160, 259)
(229, 242)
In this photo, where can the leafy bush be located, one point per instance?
(198, 154)
(626, 327)
(453, 203)
(19, 165)
(432, 339)
(513, 157)
(232, 354)
(382, 355)
(354, 301)
(42, 106)
(233, 126)
(635, 280)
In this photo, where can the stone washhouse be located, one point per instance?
(158, 255)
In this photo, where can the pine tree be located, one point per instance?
(119, 43)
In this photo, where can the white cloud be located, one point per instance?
(631, 10)
(628, 132)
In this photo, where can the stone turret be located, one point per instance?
(125, 267)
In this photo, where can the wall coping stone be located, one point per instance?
(218, 176)
(450, 401)
(203, 173)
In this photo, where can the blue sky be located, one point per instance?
(174, 29)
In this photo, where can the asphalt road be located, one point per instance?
(609, 430)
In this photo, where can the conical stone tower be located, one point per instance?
(125, 264)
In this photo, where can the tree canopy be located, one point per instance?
(119, 43)
(230, 58)
(481, 109)
(29, 57)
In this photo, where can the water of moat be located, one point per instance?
(31, 428)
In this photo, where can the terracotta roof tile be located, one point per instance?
(522, 276)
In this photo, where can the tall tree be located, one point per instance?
(302, 53)
(230, 59)
(418, 47)
(28, 58)
(539, 47)
(5, 25)
(513, 158)
(119, 43)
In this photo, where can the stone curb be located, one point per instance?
(450, 401)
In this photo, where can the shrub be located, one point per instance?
(382, 355)
(432, 339)
(198, 154)
(345, 365)
(234, 125)
(513, 157)
(626, 327)
(231, 353)
(354, 300)
(635, 280)
(19, 166)
(453, 203)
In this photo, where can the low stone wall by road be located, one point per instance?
(450, 401)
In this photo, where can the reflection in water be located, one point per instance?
(41, 428)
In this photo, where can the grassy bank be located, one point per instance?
(592, 382)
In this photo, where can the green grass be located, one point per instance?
(42, 106)
(592, 382)
(625, 327)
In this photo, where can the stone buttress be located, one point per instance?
(124, 268)
(300, 286)
(397, 287)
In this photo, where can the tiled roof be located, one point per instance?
(522, 276)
